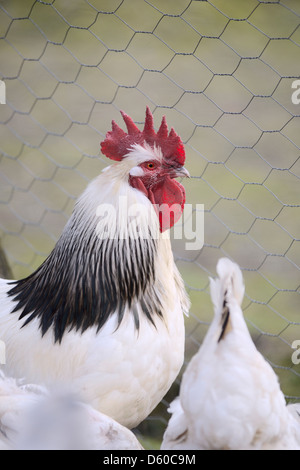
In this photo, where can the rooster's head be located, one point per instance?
(153, 161)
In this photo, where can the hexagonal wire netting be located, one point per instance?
(222, 73)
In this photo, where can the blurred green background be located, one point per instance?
(222, 72)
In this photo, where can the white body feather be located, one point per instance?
(33, 419)
(230, 397)
(121, 370)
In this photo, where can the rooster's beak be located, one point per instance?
(182, 172)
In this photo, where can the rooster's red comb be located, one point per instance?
(118, 143)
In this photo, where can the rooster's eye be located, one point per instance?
(149, 165)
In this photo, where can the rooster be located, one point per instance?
(230, 397)
(104, 312)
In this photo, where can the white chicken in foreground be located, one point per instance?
(104, 312)
(230, 397)
(33, 419)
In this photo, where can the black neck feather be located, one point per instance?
(85, 280)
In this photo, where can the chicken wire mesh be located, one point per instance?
(222, 72)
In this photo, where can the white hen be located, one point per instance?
(230, 397)
(33, 419)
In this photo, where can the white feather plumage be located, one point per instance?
(230, 397)
(33, 419)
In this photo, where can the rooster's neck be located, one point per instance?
(88, 278)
